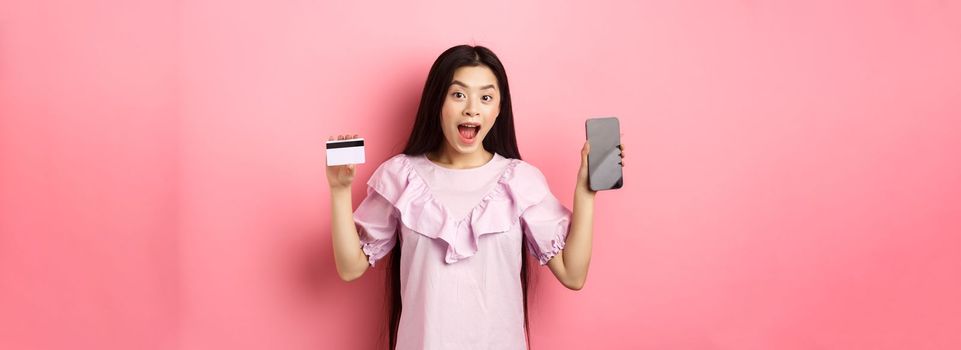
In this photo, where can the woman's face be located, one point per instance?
(470, 108)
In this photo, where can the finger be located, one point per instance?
(354, 137)
(340, 137)
(330, 138)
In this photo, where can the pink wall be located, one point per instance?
(793, 179)
(89, 187)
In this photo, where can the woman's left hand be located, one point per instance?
(582, 174)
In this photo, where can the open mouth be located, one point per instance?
(468, 131)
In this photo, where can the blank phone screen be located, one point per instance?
(604, 160)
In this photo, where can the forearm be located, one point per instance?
(577, 249)
(349, 258)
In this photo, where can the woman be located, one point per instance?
(455, 211)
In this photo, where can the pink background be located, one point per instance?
(793, 177)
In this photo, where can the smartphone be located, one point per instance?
(604, 160)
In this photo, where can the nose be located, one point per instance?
(470, 111)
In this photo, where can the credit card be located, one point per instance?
(341, 152)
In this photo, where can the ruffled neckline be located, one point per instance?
(413, 175)
(498, 211)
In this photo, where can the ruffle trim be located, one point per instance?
(372, 255)
(557, 244)
(497, 212)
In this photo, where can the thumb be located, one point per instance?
(585, 151)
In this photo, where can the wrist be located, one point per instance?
(584, 192)
(339, 190)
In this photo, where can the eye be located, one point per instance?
(458, 94)
(488, 98)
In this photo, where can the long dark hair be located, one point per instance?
(427, 136)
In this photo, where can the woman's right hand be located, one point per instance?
(340, 176)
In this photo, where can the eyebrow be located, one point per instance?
(457, 82)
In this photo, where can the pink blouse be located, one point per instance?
(461, 246)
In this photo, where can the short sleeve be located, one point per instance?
(545, 223)
(377, 226)
(377, 218)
